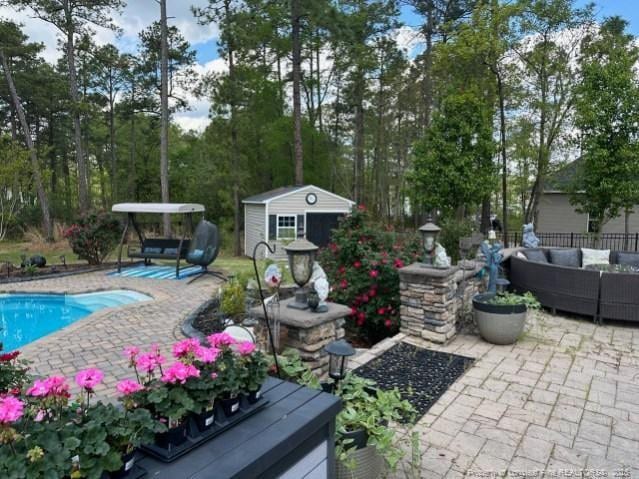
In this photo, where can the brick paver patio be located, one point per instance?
(564, 400)
(98, 339)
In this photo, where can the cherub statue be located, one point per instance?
(530, 238)
(441, 259)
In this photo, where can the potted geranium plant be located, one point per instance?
(203, 389)
(501, 317)
(255, 367)
(167, 397)
(229, 375)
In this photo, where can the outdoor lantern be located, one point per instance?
(301, 256)
(429, 233)
(338, 352)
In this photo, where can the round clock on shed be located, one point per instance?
(311, 198)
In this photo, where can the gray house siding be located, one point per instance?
(557, 215)
(254, 228)
(291, 203)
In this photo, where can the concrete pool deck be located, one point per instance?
(98, 339)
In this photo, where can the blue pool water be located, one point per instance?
(27, 317)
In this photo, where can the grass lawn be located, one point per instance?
(232, 265)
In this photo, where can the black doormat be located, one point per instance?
(421, 375)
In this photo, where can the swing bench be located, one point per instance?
(157, 248)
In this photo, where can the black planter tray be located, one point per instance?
(195, 438)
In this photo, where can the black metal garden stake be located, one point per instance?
(259, 287)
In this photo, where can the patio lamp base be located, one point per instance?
(301, 300)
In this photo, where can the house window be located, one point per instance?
(286, 227)
(592, 225)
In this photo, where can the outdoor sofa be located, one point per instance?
(570, 288)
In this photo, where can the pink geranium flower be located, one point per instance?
(131, 352)
(51, 386)
(185, 347)
(246, 348)
(373, 273)
(89, 378)
(148, 362)
(127, 386)
(11, 409)
(207, 355)
(180, 372)
(221, 339)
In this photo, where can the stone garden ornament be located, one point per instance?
(319, 280)
(530, 239)
(441, 259)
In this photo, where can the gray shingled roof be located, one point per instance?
(267, 195)
(564, 177)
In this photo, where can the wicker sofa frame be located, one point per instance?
(600, 295)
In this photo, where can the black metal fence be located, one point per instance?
(613, 241)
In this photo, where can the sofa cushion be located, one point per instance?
(565, 257)
(629, 259)
(594, 256)
(536, 255)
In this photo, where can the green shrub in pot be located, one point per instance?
(369, 409)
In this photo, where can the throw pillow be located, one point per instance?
(152, 250)
(629, 259)
(536, 255)
(594, 256)
(170, 251)
(565, 257)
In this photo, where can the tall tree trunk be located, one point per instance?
(319, 88)
(358, 164)
(83, 176)
(297, 104)
(428, 68)
(164, 111)
(132, 173)
(114, 163)
(504, 161)
(37, 176)
(235, 149)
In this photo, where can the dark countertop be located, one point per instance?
(263, 443)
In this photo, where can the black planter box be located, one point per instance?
(196, 437)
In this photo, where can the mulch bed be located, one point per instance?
(16, 274)
(208, 320)
(421, 375)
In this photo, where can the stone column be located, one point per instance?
(431, 300)
(306, 331)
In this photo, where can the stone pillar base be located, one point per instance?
(431, 300)
(305, 331)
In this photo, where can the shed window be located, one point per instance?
(286, 227)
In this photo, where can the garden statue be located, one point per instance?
(273, 276)
(441, 259)
(492, 253)
(530, 238)
(319, 280)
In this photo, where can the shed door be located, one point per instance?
(319, 226)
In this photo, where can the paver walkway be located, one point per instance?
(562, 402)
(98, 339)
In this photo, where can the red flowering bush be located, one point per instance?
(362, 263)
(13, 372)
(94, 236)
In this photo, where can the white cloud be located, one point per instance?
(136, 16)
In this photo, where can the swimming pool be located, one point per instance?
(27, 317)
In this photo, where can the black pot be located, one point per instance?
(359, 437)
(254, 396)
(313, 300)
(230, 406)
(205, 419)
(128, 461)
(172, 438)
